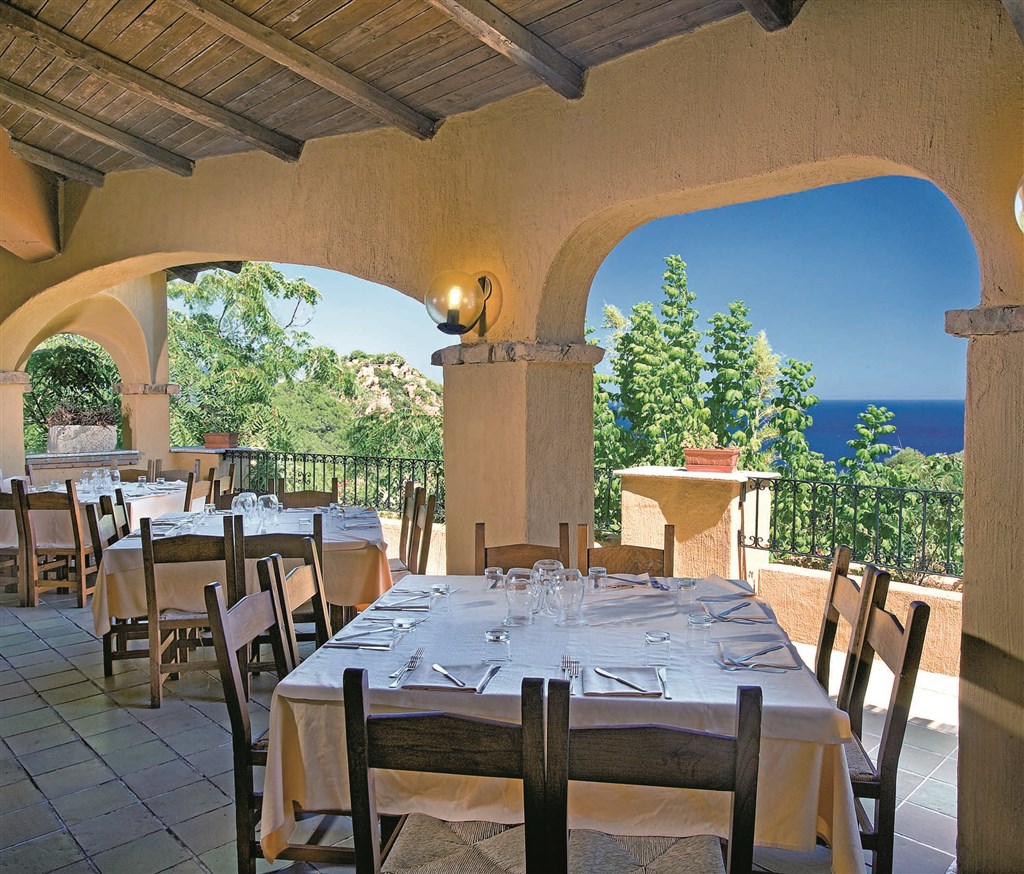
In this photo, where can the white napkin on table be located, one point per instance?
(733, 650)
(646, 678)
(628, 580)
(425, 677)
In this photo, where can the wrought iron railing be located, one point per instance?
(368, 480)
(913, 531)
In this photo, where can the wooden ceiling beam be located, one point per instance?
(271, 44)
(772, 15)
(520, 45)
(63, 166)
(94, 129)
(52, 41)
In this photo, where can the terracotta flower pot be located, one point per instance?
(712, 460)
(220, 439)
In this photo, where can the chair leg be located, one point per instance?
(155, 658)
(108, 653)
(885, 824)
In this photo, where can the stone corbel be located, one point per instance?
(146, 388)
(509, 351)
(985, 321)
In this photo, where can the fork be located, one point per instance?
(574, 672)
(409, 664)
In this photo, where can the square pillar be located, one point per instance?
(146, 424)
(518, 442)
(13, 385)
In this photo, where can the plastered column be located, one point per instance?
(146, 408)
(991, 756)
(13, 385)
(518, 442)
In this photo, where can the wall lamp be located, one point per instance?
(457, 301)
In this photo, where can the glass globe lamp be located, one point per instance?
(456, 300)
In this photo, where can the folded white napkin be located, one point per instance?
(629, 579)
(380, 638)
(646, 678)
(744, 612)
(425, 677)
(739, 585)
(742, 650)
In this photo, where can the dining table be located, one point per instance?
(354, 562)
(804, 790)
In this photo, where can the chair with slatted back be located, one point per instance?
(173, 632)
(295, 588)
(53, 565)
(308, 498)
(519, 554)
(117, 507)
(623, 559)
(199, 493)
(172, 474)
(652, 755)
(410, 495)
(442, 743)
(295, 546)
(899, 647)
(11, 562)
(850, 601)
(233, 632)
(225, 481)
(132, 474)
(419, 537)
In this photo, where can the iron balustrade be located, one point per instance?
(364, 480)
(910, 530)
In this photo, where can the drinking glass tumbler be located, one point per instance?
(699, 630)
(494, 577)
(520, 596)
(441, 598)
(685, 589)
(566, 591)
(598, 577)
(497, 646)
(545, 568)
(657, 647)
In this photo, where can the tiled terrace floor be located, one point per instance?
(92, 779)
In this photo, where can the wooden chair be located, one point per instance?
(199, 489)
(850, 601)
(439, 743)
(299, 500)
(293, 589)
(53, 565)
(625, 559)
(654, 755)
(225, 482)
(411, 493)
(419, 537)
(132, 474)
(899, 647)
(118, 508)
(173, 632)
(175, 473)
(11, 561)
(519, 554)
(233, 632)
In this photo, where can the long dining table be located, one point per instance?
(803, 792)
(354, 563)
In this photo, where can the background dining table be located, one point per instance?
(804, 790)
(354, 564)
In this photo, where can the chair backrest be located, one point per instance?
(851, 601)
(292, 590)
(9, 504)
(233, 631)
(307, 498)
(288, 545)
(441, 743)
(202, 488)
(132, 474)
(519, 554)
(225, 481)
(176, 473)
(192, 548)
(28, 502)
(118, 508)
(623, 559)
(655, 755)
(419, 539)
(103, 526)
(409, 494)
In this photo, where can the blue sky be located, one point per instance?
(854, 277)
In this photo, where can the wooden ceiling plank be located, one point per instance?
(508, 37)
(95, 129)
(59, 12)
(658, 18)
(149, 87)
(772, 15)
(311, 66)
(70, 169)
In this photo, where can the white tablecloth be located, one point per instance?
(53, 527)
(354, 564)
(803, 790)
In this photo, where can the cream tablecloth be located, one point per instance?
(803, 789)
(354, 564)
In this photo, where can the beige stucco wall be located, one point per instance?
(798, 597)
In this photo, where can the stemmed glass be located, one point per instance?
(545, 569)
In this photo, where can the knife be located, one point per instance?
(622, 680)
(760, 652)
(340, 639)
(375, 646)
(445, 673)
(491, 671)
(664, 685)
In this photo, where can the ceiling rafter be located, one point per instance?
(772, 15)
(309, 65)
(95, 129)
(517, 43)
(113, 70)
(56, 163)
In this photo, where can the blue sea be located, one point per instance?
(928, 426)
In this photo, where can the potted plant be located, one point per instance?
(709, 456)
(221, 426)
(77, 429)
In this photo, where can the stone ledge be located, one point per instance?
(55, 460)
(985, 321)
(15, 377)
(146, 388)
(582, 354)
